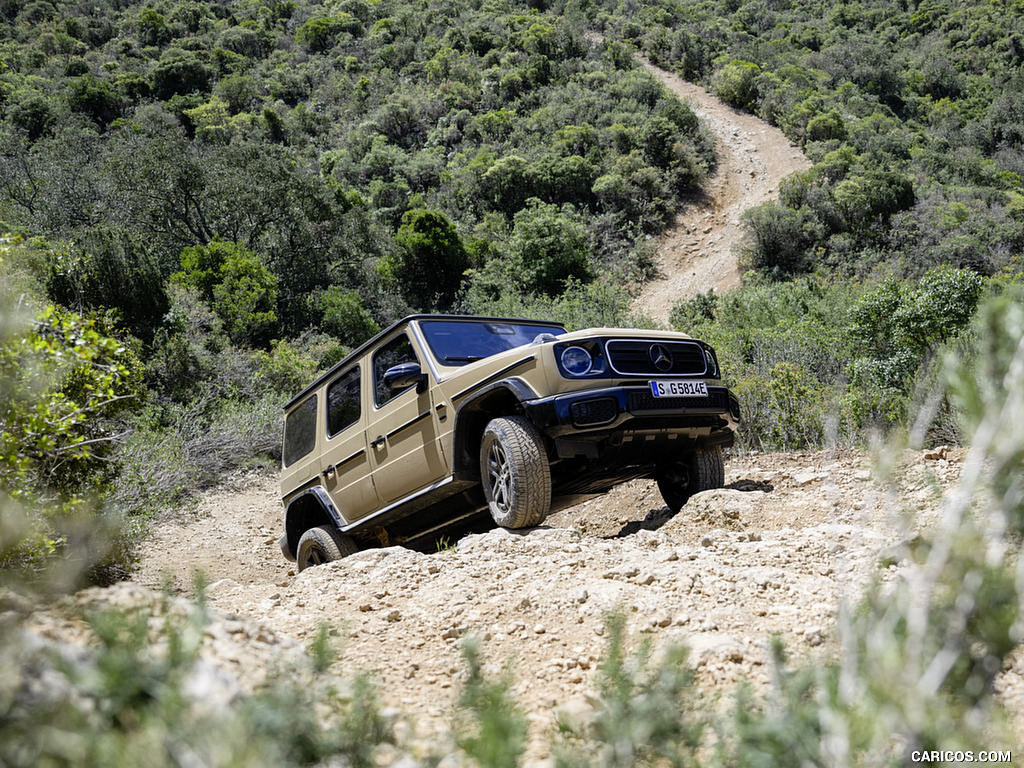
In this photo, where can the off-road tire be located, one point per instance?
(323, 545)
(701, 470)
(515, 473)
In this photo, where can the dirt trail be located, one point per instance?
(698, 251)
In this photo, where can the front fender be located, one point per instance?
(501, 398)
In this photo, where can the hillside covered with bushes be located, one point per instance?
(204, 204)
(209, 202)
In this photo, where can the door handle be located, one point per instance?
(330, 470)
(379, 441)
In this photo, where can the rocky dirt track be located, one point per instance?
(699, 251)
(774, 552)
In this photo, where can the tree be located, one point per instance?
(737, 84)
(345, 316)
(431, 259)
(108, 268)
(94, 97)
(549, 245)
(237, 286)
(180, 72)
(319, 34)
(781, 239)
(899, 325)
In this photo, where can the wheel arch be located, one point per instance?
(502, 398)
(309, 509)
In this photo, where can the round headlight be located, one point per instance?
(577, 361)
(712, 365)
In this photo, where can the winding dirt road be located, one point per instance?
(699, 251)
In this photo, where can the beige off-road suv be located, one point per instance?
(441, 418)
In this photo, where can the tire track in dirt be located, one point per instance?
(698, 251)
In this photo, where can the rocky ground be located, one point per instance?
(772, 553)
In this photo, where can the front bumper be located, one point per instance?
(577, 419)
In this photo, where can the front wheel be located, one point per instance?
(323, 545)
(701, 470)
(515, 473)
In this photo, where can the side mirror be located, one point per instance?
(405, 375)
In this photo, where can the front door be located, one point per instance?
(344, 462)
(404, 446)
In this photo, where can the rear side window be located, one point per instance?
(300, 432)
(343, 402)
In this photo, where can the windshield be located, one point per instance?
(458, 342)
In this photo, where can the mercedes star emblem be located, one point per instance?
(661, 357)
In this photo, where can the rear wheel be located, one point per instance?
(323, 545)
(515, 473)
(698, 471)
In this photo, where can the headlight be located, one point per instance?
(711, 362)
(577, 361)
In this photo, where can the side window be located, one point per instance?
(395, 352)
(343, 402)
(300, 432)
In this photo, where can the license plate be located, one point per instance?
(679, 388)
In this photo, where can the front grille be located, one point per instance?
(592, 412)
(645, 401)
(657, 358)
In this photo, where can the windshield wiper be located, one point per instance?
(461, 359)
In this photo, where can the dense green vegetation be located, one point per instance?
(913, 113)
(209, 202)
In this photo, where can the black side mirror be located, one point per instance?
(405, 375)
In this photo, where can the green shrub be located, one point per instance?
(782, 239)
(130, 699)
(898, 325)
(549, 246)
(320, 33)
(431, 261)
(236, 284)
(650, 714)
(737, 84)
(346, 317)
(110, 269)
(490, 727)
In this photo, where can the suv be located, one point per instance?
(440, 417)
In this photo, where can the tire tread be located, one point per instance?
(530, 473)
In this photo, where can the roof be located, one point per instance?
(359, 351)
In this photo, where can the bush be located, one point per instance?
(781, 238)
(237, 285)
(549, 246)
(110, 269)
(737, 84)
(650, 714)
(345, 316)
(898, 325)
(133, 698)
(179, 72)
(432, 259)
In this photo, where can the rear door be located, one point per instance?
(404, 448)
(344, 462)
